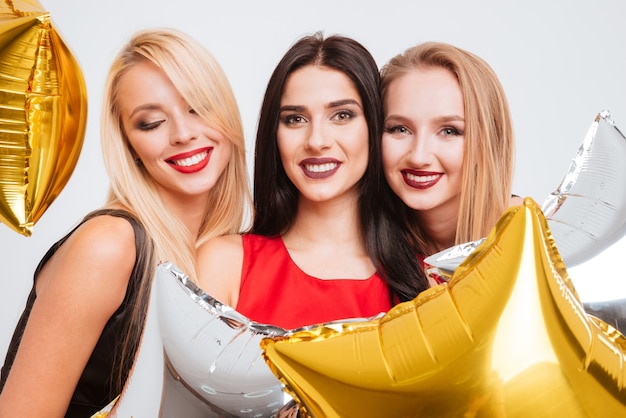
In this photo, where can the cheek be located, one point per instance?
(283, 152)
(456, 158)
(391, 166)
(225, 157)
(283, 139)
(146, 146)
(361, 144)
(363, 160)
(138, 150)
(390, 154)
(286, 152)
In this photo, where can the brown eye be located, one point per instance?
(293, 119)
(343, 115)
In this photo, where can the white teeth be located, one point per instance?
(420, 179)
(320, 168)
(195, 159)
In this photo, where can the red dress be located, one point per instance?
(275, 291)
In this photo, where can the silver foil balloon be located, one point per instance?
(613, 312)
(213, 351)
(213, 355)
(445, 262)
(587, 212)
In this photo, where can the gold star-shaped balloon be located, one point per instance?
(43, 113)
(507, 336)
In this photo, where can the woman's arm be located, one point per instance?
(220, 261)
(78, 290)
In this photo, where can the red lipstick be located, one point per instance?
(420, 179)
(319, 168)
(192, 161)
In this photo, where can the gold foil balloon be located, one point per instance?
(43, 113)
(506, 337)
(586, 213)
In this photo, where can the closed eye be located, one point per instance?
(148, 126)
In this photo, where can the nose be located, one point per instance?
(420, 154)
(319, 136)
(183, 129)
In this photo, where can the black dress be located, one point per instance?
(96, 388)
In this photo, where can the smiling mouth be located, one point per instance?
(420, 182)
(320, 168)
(320, 171)
(420, 179)
(190, 161)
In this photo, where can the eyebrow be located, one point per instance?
(449, 118)
(147, 106)
(331, 105)
(291, 108)
(440, 119)
(343, 102)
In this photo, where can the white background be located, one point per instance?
(561, 62)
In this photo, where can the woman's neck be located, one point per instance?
(439, 229)
(326, 241)
(190, 212)
(327, 222)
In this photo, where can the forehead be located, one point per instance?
(312, 81)
(144, 82)
(140, 71)
(428, 88)
(426, 79)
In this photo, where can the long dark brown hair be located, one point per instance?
(276, 197)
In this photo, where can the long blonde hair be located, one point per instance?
(202, 83)
(488, 163)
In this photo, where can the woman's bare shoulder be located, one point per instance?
(102, 252)
(219, 265)
(226, 245)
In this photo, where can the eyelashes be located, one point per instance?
(451, 131)
(446, 131)
(293, 119)
(148, 126)
(396, 129)
(339, 116)
(152, 119)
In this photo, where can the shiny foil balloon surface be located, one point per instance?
(214, 354)
(214, 351)
(507, 336)
(43, 113)
(587, 212)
